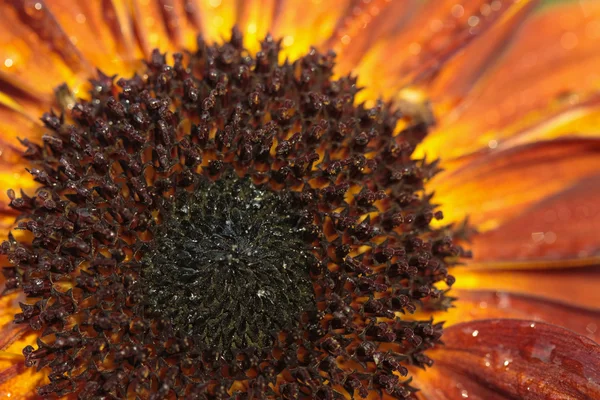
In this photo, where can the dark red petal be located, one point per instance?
(513, 359)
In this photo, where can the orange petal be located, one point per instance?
(11, 333)
(496, 186)
(575, 286)
(14, 125)
(481, 304)
(553, 63)
(362, 25)
(36, 54)
(464, 71)
(101, 30)
(154, 26)
(435, 35)
(512, 359)
(562, 227)
(9, 306)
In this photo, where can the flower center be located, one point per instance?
(229, 265)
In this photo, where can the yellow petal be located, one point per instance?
(575, 286)
(306, 23)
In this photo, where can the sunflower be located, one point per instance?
(299, 199)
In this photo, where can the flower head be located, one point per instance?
(222, 221)
(229, 219)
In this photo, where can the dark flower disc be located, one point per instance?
(228, 264)
(229, 226)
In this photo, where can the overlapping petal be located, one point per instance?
(433, 38)
(17, 380)
(551, 66)
(101, 30)
(553, 231)
(36, 53)
(365, 24)
(512, 359)
(483, 304)
(168, 25)
(471, 66)
(492, 188)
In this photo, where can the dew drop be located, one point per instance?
(591, 327)
(485, 10)
(473, 21)
(569, 40)
(542, 351)
(458, 11)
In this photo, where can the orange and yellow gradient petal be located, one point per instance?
(16, 380)
(549, 73)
